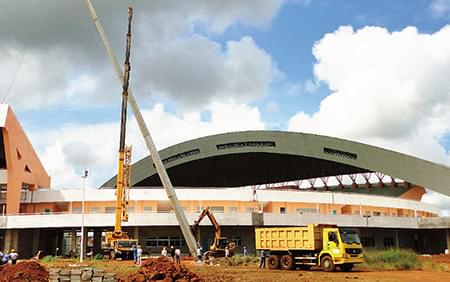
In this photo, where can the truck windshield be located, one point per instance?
(350, 236)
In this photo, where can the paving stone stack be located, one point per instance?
(86, 274)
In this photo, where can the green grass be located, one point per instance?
(236, 260)
(392, 259)
(48, 258)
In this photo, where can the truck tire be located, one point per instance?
(346, 267)
(273, 261)
(287, 262)
(327, 264)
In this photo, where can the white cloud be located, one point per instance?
(440, 8)
(67, 151)
(169, 55)
(383, 84)
(195, 71)
(388, 89)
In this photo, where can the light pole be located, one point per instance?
(82, 216)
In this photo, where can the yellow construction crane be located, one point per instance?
(119, 243)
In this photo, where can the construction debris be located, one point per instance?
(162, 269)
(27, 271)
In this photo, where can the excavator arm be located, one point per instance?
(207, 212)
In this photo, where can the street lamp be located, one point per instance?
(82, 216)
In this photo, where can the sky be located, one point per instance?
(369, 71)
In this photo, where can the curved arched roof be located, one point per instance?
(258, 157)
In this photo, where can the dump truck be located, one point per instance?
(326, 246)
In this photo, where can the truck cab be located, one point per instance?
(342, 247)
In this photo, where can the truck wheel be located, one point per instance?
(346, 267)
(287, 262)
(273, 261)
(327, 263)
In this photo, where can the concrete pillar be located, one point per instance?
(73, 249)
(447, 235)
(97, 248)
(136, 233)
(36, 239)
(85, 239)
(396, 238)
(11, 239)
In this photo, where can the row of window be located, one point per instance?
(177, 241)
(234, 209)
(370, 242)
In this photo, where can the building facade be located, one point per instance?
(248, 179)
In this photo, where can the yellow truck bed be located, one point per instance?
(289, 238)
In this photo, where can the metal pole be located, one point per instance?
(167, 184)
(82, 217)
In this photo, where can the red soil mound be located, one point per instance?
(26, 271)
(162, 269)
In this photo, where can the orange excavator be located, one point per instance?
(220, 244)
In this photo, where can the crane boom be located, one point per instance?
(167, 184)
(123, 125)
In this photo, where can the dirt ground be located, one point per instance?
(124, 269)
(252, 273)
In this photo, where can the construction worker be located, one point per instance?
(139, 254)
(164, 252)
(245, 251)
(134, 252)
(172, 253)
(13, 256)
(177, 255)
(5, 257)
(262, 257)
(199, 253)
(227, 252)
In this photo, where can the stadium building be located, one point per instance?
(248, 179)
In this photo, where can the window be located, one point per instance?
(162, 241)
(376, 213)
(368, 241)
(110, 210)
(283, 210)
(76, 210)
(233, 209)
(388, 242)
(333, 212)
(237, 240)
(217, 209)
(47, 211)
(27, 169)
(332, 237)
(306, 210)
(148, 209)
(95, 210)
(151, 242)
